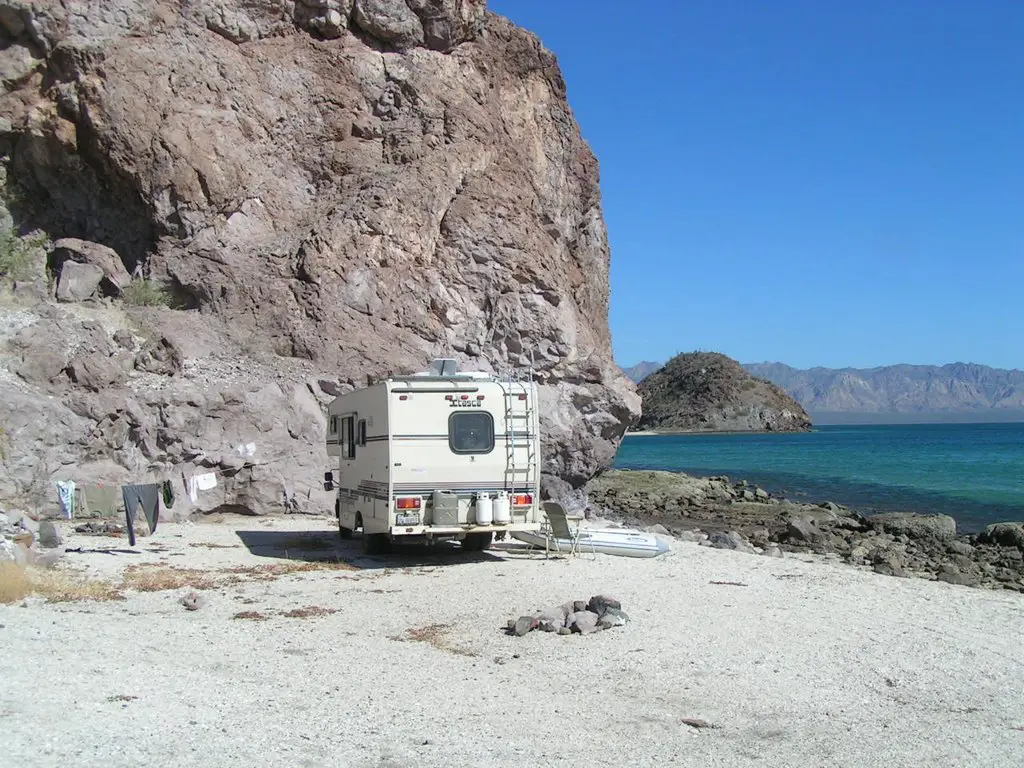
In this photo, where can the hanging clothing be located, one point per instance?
(168, 493)
(206, 482)
(101, 499)
(148, 498)
(66, 494)
(190, 488)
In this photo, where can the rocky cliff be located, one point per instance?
(707, 391)
(313, 193)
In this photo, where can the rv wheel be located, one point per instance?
(474, 542)
(376, 543)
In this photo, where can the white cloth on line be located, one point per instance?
(206, 481)
(191, 489)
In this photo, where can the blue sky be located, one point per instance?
(811, 182)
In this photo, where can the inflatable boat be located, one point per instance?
(609, 541)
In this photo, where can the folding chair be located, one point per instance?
(559, 528)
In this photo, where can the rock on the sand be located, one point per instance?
(49, 535)
(584, 622)
(730, 540)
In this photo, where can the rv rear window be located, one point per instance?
(471, 432)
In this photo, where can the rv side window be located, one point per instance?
(471, 432)
(348, 442)
(334, 425)
(361, 433)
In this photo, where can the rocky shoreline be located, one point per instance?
(718, 512)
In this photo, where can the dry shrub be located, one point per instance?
(435, 635)
(251, 615)
(55, 585)
(308, 611)
(149, 578)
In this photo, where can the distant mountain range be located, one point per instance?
(895, 393)
(641, 371)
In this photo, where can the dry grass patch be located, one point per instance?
(149, 578)
(251, 615)
(435, 635)
(274, 570)
(56, 586)
(308, 611)
(213, 545)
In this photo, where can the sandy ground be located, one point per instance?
(809, 664)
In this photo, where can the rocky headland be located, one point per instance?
(738, 516)
(709, 392)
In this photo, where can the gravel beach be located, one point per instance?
(403, 660)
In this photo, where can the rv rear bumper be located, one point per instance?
(455, 530)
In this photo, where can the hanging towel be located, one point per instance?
(148, 498)
(66, 494)
(206, 482)
(190, 487)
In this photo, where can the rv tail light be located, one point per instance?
(408, 502)
(403, 397)
(522, 499)
(522, 397)
(479, 397)
(449, 397)
(464, 397)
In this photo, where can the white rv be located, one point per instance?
(436, 455)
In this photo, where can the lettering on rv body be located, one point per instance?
(465, 404)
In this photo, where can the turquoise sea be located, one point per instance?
(974, 472)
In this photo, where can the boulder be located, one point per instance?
(730, 540)
(78, 282)
(95, 372)
(390, 21)
(161, 356)
(49, 535)
(583, 622)
(599, 604)
(951, 574)
(72, 254)
(914, 526)
(1004, 535)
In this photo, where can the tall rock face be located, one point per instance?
(326, 191)
(709, 392)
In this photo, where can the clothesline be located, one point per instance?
(202, 478)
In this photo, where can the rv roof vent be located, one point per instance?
(444, 366)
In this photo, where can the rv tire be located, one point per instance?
(474, 542)
(376, 543)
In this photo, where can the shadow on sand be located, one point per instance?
(328, 547)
